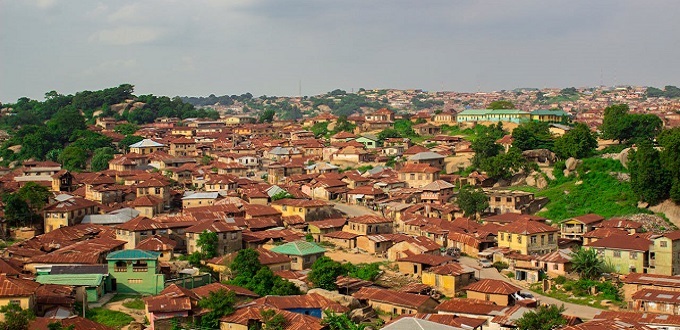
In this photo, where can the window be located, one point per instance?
(617, 254)
(158, 191)
(135, 281)
(509, 238)
(508, 199)
(519, 239)
(633, 255)
(498, 199)
(413, 176)
(542, 239)
(663, 244)
(556, 266)
(284, 207)
(533, 240)
(15, 302)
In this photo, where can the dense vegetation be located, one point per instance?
(56, 128)
(249, 273)
(325, 271)
(668, 91)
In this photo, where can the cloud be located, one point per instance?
(126, 13)
(108, 67)
(123, 36)
(45, 4)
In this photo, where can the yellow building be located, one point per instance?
(308, 210)
(68, 212)
(627, 254)
(199, 199)
(449, 279)
(664, 254)
(146, 147)
(497, 291)
(528, 237)
(17, 291)
(418, 175)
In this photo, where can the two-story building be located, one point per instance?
(68, 212)
(369, 225)
(135, 272)
(627, 254)
(576, 227)
(228, 236)
(308, 210)
(138, 229)
(528, 237)
(146, 147)
(418, 175)
(664, 254)
(302, 254)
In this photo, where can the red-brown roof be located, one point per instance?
(341, 235)
(493, 287)
(589, 218)
(644, 318)
(527, 227)
(174, 298)
(213, 226)
(392, 297)
(454, 269)
(307, 301)
(653, 279)
(141, 223)
(17, 287)
(328, 223)
(204, 291)
(468, 306)
(427, 259)
(418, 168)
(369, 219)
(633, 242)
(456, 321)
(156, 243)
(294, 321)
(79, 323)
(300, 202)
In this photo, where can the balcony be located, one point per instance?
(572, 230)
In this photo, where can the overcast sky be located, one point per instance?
(202, 47)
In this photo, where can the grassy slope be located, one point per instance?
(599, 193)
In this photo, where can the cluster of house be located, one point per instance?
(119, 230)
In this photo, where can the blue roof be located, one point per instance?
(133, 255)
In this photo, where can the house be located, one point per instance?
(528, 237)
(445, 118)
(549, 115)
(228, 236)
(148, 206)
(427, 157)
(449, 279)
(135, 272)
(664, 254)
(138, 229)
(416, 264)
(412, 246)
(489, 115)
(631, 227)
(369, 141)
(556, 263)
(575, 227)
(321, 227)
(91, 251)
(467, 307)
(368, 225)
(161, 244)
(418, 175)
(342, 136)
(308, 210)
(252, 318)
(506, 201)
(635, 282)
(657, 301)
(497, 291)
(438, 191)
(183, 147)
(275, 261)
(17, 291)
(341, 239)
(311, 304)
(626, 255)
(350, 154)
(174, 302)
(378, 244)
(199, 199)
(146, 147)
(395, 303)
(302, 254)
(365, 195)
(651, 320)
(68, 212)
(427, 129)
(89, 286)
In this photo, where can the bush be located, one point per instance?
(510, 275)
(560, 280)
(108, 317)
(499, 265)
(134, 304)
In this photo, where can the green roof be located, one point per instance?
(556, 112)
(133, 255)
(71, 279)
(298, 248)
(480, 112)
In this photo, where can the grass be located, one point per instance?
(134, 304)
(595, 190)
(108, 317)
(121, 297)
(577, 292)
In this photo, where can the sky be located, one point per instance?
(272, 47)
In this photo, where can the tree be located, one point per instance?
(16, 210)
(587, 263)
(343, 125)
(101, 158)
(545, 317)
(505, 165)
(343, 322)
(73, 158)
(267, 116)
(388, 133)
(472, 201)
(65, 122)
(669, 139)
(57, 325)
(220, 303)
(15, 317)
(501, 104)
(324, 273)
(613, 122)
(648, 178)
(484, 146)
(532, 135)
(404, 128)
(579, 142)
(207, 243)
(272, 320)
(35, 195)
(320, 129)
(246, 263)
(281, 195)
(128, 140)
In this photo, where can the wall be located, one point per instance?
(499, 299)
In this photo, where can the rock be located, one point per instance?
(572, 163)
(301, 285)
(579, 182)
(550, 175)
(501, 183)
(518, 179)
(541, 182)
(643, 205)
(621, 177)
(347, 301)
(531, 181)
(623, 157)
(362, 314)
(566, 172)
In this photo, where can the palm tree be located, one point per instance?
(341, 322)
(587, 263)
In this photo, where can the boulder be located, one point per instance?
(623, 157)
(518, 179)
(572, 163)
(301, 285)
(531, 180)
(347, 301)
(541, 181)
(360, 315)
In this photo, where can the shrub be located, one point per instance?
(134, 304)
(499, 265)
(560, 280)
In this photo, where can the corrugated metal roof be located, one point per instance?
(133, 255)
(71, 279)
(299, 248)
